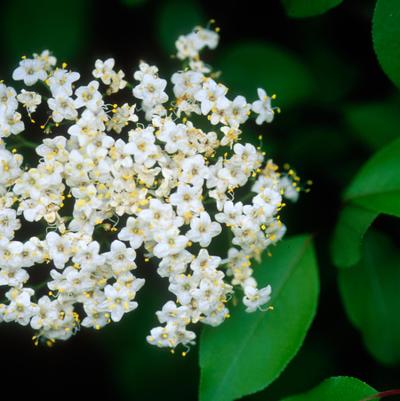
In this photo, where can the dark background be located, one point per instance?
(315, 135)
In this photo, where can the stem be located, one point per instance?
(387, 393)
(25, 143)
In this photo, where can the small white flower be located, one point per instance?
(255, 298)
(263, 108)
(30, 71)
(30, 100)
(203, 230)
(63, 107)
(211, 96)
(89, 96)
(59, 249)
(103, 70)
(61, 82)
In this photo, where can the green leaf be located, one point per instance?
(336, 389)
(247, 66)
(386, 37)
(377, 185)
(61, 27)
(374, 190)
(350, 230)
(374, 123)
(370, 293)
(308, 8)
(175, 18)
(250, 350)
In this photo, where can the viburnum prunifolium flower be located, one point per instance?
(163, 175)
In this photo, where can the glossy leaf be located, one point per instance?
(374, 190)
(308, 8)
(377, 184)
(375, 123)
(249, 351)
(335, 389)
(370, 293)
(351, 227)
(247, 66)
(386, 37)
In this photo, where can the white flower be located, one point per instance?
(169, 243)
(187, 83)
(61, 82)
(63, 107)
(237, 112)
(263, 108)
(103, 70)
(119, 299)
(30, 100)
(20, 309)
(187, 199)
(211, 96)
(204, 263)
(88, 96)
(255, 298)
(8, 223)
(10, 124)
(151, 90)
(173, 313)
(158, 188)
(8, 102)
(203, 230)
(59, 249)
(290, 191)
(231, 213)
(194, 171)
(46, 58)
(120, 257)
(46, 315)
(142, 146)
(133, 232)
(30, 71)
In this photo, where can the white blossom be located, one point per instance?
(118, 183)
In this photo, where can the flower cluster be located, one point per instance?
(164, 188)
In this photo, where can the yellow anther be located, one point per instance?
(64, 65)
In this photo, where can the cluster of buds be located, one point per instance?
(106, 187)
